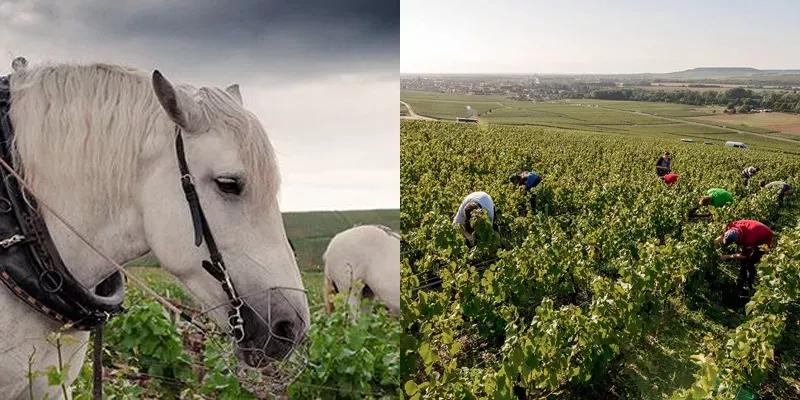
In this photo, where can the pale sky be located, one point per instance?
(321, 76)
(524, 36)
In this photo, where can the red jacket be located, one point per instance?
(751, 233)
(669, 179)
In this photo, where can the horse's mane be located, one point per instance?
(387, 230)
(90, 125)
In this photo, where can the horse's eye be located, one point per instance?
(230, 185)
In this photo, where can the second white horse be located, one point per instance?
(370, 254)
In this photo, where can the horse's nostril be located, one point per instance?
(284, 329)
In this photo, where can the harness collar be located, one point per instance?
(30, 265)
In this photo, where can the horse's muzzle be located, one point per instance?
(272, 334)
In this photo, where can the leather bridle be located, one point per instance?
(215, 265)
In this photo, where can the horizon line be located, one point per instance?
(341, 210)
(594, 73)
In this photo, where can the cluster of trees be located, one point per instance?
(735, 99)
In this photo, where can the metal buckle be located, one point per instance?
(51, 281)
(236, 322)
(12, 240)
(5, 205)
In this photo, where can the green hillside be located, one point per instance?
(630, 118)
(311, 231)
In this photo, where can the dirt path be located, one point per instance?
(673, 119)
(412, 114)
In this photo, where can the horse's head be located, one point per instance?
(235, 174)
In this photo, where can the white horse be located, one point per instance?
(96, 143)
(370, 254)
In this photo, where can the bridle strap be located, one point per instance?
(201, 230)
(215, 266)
(187, 182)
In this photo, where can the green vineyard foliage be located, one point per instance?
(545, 306)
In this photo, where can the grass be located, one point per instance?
(315, 285)
(662, 362)
(437, 105)
(659, 109)
(765, 122)
(677, 121)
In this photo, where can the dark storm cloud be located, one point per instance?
(321, 76)
(297, 38)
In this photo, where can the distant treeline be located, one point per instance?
(734, 100)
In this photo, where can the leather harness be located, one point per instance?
(29, 262)
(33, 270)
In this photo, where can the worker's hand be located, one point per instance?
(718, 241)
(726, 257)
(469, 236)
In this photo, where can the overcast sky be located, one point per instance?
(616, 36)
(322, 76)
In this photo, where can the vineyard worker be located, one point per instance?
(663, 164)
(715, 197)
(748, 173)
(782, 188)
(474, 201)
(749, 235)
(670, 178)
(530, 180)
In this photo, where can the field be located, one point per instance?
(606, 290)
(675, 121)
(774, 122)
(149, 355)
(436, 105)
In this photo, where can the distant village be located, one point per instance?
(745, 97)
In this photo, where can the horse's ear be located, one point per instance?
(180, 108)
(233, 90)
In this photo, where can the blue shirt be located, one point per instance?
(532, 180)
(662, 163)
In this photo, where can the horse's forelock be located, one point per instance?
(255, 149)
